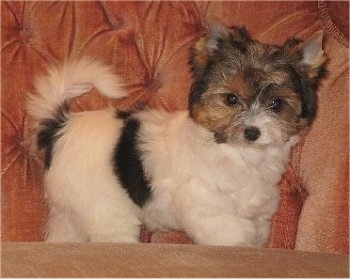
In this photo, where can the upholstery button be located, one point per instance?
(127, 36)
(24, 35)
(25, 144)
(152, 85)
(117, 23)
(199, 29)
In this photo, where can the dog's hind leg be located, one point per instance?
(111, 217)
(62, 227)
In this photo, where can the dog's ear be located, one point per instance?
(315, 60)
(215, 43)
(205, 47)
(308, 54)
(313, 54)
(211, 45)
(309, 60)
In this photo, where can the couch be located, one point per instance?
(148, 43)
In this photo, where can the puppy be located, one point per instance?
(211, 171)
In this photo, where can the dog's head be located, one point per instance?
(245, 91)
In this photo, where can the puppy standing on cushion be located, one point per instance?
(211, 171)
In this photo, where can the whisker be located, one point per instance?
(223, 76)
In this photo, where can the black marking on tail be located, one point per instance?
(128, 164)
(48, 133)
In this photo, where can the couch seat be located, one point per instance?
(164, 260)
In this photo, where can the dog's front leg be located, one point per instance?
(222, 230)
(210, 219)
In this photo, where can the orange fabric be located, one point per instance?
(148, 43)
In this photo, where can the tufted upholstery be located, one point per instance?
(148, 43)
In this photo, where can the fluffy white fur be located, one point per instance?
(219, 194)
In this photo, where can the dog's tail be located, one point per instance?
(71, 79)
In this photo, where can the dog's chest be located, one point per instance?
(247, 180)
(239, 183)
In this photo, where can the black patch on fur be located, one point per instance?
(307, 94)
(310, 87)
(240, 38)
(128, 165)
(48, 133)
(123, 114)
(199, 86)
(306, 88)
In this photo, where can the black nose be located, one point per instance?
(252, 133)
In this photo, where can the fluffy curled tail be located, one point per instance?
(71, 79)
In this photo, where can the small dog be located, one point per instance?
(211, 171)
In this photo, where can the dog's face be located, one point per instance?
(248, 92)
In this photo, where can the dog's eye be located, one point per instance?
(276, 105)
(231, 99)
